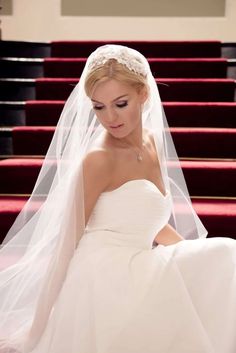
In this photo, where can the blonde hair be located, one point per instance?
(112, 69)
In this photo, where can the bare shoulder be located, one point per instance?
(150, 136)
(97, 173)
(97, 167)
(97, 156)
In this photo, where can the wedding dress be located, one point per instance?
(122, 294)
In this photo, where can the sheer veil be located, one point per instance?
(37, 250)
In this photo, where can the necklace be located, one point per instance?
(138, 154)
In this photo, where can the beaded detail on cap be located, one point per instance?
(125, 56)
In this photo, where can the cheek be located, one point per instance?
(135, 111)
(99, 115)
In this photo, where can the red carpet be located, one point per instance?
(199, 105)
(189, 68)
(217, 215)
(214, 178)
(191, 114)
(10, 207)
(35, 140)
(151, 49)
(212, 212)
(190, 90)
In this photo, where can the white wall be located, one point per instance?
(41, 21)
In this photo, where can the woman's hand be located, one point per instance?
(168, 236)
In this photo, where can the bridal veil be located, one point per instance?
(37, 249)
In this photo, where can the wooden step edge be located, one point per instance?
(231, 62)
(20, 156)
(22, 59)
(15, 195)
(13, 103)
(207, 159)
(9, 156)
(19, 80)
(193, 197)
(213, 197)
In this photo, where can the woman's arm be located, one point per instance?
(97, 172)
(168, 236)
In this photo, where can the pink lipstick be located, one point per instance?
(116, 126)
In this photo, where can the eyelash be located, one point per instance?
(122, 104)
(119, 105)
(97, 108)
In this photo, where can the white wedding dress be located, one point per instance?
(122, 295)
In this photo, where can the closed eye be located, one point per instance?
(98, 107)
(122, 104)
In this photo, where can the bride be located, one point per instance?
(108, 255)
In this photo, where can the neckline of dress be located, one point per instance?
(137, 180)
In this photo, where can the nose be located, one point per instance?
(111, 115)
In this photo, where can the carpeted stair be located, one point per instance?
(36, 140)
(191, 114)
(170, 67)
(180, 89)
(199, 102)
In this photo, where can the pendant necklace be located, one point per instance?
(138, 154)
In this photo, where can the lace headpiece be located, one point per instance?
(131, 58)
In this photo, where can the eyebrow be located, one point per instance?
(123, 95)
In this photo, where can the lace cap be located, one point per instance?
(131, 58)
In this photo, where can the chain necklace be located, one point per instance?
(138, 154)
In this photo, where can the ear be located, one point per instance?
(143, 93)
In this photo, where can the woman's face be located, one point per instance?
(118, 106)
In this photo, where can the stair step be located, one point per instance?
(218, 215)
(170, 67)
(231, 68)
(12, 113)
(6, 145)
(189, 142)
(210, 178)
(27, 49)
(181, 114)
(221, 90)
(204, 178)
(10, 207)
(43, 112)
(17, 89)
(228, 50)
(201, 114)
(156, 49)
(203, 90)
(188, 101)
(31, 140)
(21, 67)
(26, 172)
(204, 142)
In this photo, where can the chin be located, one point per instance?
(117, 132)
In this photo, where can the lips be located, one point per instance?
(116, 126)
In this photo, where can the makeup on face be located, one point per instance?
(116, 127)
(118, 103)
(117, 106)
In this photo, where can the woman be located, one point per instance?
(115, 259)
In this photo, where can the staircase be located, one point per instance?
(199, 101)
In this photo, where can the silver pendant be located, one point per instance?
(139, 158)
